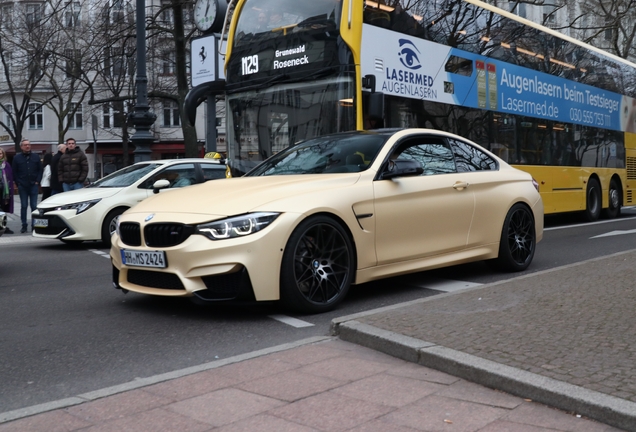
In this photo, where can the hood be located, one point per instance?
(78, 195)
(227, 197)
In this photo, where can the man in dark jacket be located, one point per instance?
(27, 174)
(56, 185)
(72, 169)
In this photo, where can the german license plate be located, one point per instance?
(40, 223)
(136, 258)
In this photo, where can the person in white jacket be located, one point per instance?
(45, 184)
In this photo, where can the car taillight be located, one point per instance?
(535, 184)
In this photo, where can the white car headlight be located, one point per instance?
(80, 206)
(236, 226)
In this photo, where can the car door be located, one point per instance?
(425, 215)
(486, 183)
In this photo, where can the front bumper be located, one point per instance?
(67, 224)
(233, 269)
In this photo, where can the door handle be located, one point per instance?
(460, 185)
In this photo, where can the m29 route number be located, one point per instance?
(589, 117)
(135, 258)
(249, 64)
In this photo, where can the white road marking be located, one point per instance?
(615, 233)
(100, 253)
(291, 321)
(445, 285)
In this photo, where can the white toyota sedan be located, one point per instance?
(91, 213)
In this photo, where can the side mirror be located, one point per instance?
(376, 106)
(402, 168)
(160, 184)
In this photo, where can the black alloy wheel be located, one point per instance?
(518, 239)
(318, 266)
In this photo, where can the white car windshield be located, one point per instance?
(125, 176)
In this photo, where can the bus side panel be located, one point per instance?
(562, 188)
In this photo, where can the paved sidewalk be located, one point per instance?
(323, 384)
(452, 358)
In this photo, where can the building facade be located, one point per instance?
(67, 69)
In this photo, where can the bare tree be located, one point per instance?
(26, 39)
(169, 26)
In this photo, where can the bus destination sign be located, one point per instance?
(283, 60)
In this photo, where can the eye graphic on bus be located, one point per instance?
(408, 54)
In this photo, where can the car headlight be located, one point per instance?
(80, 207)
(236, 226)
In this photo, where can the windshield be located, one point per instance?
(259, 17)
(264, 122)
(125, 176)
(340, 153)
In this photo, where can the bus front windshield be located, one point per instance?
(263, 122)
(277, 16)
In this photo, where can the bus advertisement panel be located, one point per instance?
(421, 69)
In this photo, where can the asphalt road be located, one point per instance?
(65, 330)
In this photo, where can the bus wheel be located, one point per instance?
(518, 240)
(318, 266)
(614, 208)
(594, 201)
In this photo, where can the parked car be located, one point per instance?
(3, 222)
(330, 212)
(91, 213)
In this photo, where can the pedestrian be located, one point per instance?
(72, 169)
(45, 184)
(6, 186)
(27, 173)
(56, 184)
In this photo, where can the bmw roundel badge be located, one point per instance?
(150, 216)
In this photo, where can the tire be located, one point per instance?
(518, 240)
(318, 266)
(593, 200)
(614, 194)
(110, 221)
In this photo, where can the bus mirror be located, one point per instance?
(198, 94)
(376, 105)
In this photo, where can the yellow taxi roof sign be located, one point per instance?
(213, 155)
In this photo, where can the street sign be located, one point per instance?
(208, 64)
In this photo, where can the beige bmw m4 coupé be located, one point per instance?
(326, 213)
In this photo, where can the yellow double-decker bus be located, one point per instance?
(560, 109)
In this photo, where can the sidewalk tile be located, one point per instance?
(388, 390)
(330, 411)
(290, 385)
(255, 368)
(470, 392)
(52, 421)
(265, 423)
(191, 385)
(117, 406)
(435, 413)
(224, 406)
(154, 420)
(547, 417)
(345, 368)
